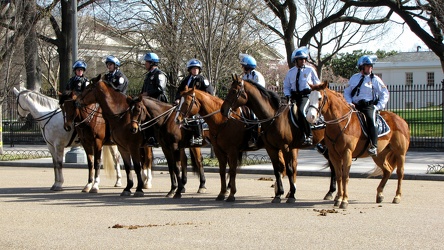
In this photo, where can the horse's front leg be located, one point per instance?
(169, 156)
(89, 159)
(184, 168)
(277, 169)
(57, 161)
(129, 177)
(223, 160)
(97, 154)
(291, 163)
(147, 161)
(345, 176)
(197, 162)
(135, 156)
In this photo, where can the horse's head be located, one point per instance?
(137, 111)
(69, 108)
(188, 105)
(22, 109)
(317, 101)
(88, 95)
(236, 96)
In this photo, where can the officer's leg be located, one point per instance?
(305, 126)
(370, 113)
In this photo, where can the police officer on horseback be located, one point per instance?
(78, 82)
(114, 76)
(297, 89)
(368, 94)
(248, 64)
(153, 86)
(194, 79)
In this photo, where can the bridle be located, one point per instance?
(143, 113)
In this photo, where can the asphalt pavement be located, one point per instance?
(310, 163)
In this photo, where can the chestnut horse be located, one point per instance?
(345, 140)
(228, 137)
(94, 133)
(278, 132)
(115, 109)
(150, 113)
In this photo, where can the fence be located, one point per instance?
(420, 105)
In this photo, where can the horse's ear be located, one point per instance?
(234, 76)
(16, 92)
(325, 84)
(59, 93)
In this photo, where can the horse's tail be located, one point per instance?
(107, 160)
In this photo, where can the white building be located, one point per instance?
(419, 76)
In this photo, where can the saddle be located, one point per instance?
(383, 127)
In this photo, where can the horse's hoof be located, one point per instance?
(202, 190)
(337, 203)
(170, 194)
(344, 205)
(220, 197)
(396, 200)
(291, 200)
(118, 184)
(125, 193)
(94, 190)
(177, 196)
(328, 196)
(379, 198)
(276, 200)
(230, 199)
(56, 188)
(139, 194)
(183, 190)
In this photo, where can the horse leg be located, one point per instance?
(184, 168)
(336, 161)
(129, 177)
(346, 164)
(399, 164)
(89, 184)
(147, 161)
(173, 178)
(135, 156)
(176, 169)
(97, 155)
(197, 163)
(291, 169)
(329, 195)
(222, 158)
(277, 169)
(57, 161)
(233, 163)
(116, 158)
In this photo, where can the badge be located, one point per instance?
(121, 80)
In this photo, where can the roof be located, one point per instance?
(410, 57)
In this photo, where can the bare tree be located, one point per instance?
(324, 23)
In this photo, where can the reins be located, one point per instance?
(153, 121)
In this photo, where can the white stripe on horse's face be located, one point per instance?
(313, 111)
(22, 105)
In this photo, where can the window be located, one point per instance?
(408, 78)
(430, 78)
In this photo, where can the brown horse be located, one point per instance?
(228, 137)
(160, 116)
(345, 140)
(115, 107)
(94, 133)
(278, 132)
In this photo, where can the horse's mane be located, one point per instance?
(43, 100)
(274, 98)
(212, 97)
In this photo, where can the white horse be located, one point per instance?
(47, 112)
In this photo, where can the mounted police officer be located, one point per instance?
(155, 80)
(296, 88)
(368, 93)
(114, 76)
(153, 86)
(78, 82)
(248, 64)
(194, 79)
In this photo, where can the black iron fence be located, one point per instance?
(420, 105)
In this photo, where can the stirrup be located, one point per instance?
(308, 141)
(372, 151)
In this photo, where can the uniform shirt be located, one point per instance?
(306, 76)
(77, 83)
(118, 80)
(154, 83)
(198, 82)
(255, 76)
(371, 88)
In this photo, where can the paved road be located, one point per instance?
(33, 217)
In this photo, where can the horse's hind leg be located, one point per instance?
(277, 169)
(57, 160)
(291, 164)
(116, 158)
(184, 168)
(400, 160)
(97, 153)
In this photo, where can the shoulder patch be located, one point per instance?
(121, 80)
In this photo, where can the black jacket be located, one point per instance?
(198, 82)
